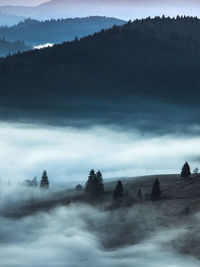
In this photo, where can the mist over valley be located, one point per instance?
(99, 133)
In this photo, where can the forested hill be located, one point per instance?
(7, 47)
(36, 32)
(144, 72)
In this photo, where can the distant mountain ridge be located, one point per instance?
(34, 32)
(9, 19)
(127, 9)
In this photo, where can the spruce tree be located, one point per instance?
(89, 187)
(94, 186)
(100, 185)
(118, 191)
(186, 170)
(156, 191)
(44, 182)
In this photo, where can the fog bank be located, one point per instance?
(68, 154)
(73, 237)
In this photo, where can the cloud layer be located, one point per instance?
(65, 238)
(68, 154)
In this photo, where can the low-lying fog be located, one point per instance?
(43, 46)
(68, 154)
(80, 235)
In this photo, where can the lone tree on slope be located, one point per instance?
(44, 182)
(156, 191)
(186, 170)
(118, 191)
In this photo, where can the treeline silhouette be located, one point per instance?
(94, 190)
(44, 183)
(94, 186)
(36, 32)
(144, 71)
(8, 48)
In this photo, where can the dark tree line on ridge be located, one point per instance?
(44, 183)
(35, 32)
(94, 186)
(8, 47)
(114, 71)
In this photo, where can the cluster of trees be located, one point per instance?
(44, 183)
(94, 185)
(95, 188)
(8, 48)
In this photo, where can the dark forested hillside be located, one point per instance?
(7, 47)
(36, 32)
(144, 73)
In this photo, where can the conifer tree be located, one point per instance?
(186, 170)
(94, 186)
(156, 191)
(44, 182)
(89, 187)
(100, 185)
(118, 191)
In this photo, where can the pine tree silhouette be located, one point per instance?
(94, 185)
(89, 187)
(156, 191)
(118, 191)
(44, 182)
(100, 185)
(186, 170)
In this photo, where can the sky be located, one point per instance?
(126, 9)
(22, 2)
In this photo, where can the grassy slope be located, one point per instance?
(177, 193)
(141, 219)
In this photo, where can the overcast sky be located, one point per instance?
(124, 9)
(22, 2)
